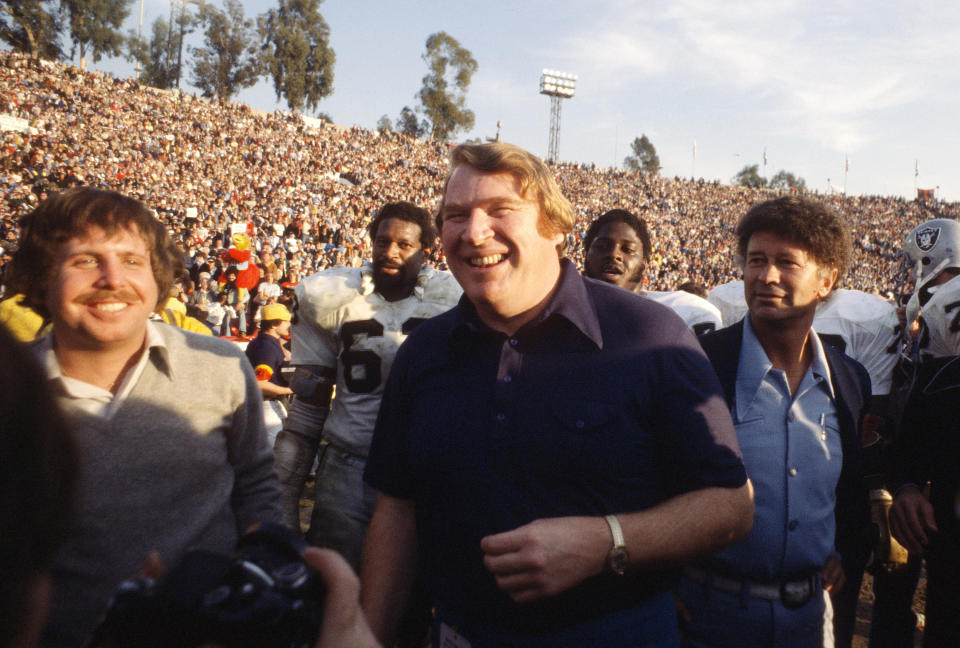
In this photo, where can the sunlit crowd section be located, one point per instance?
(306, 190)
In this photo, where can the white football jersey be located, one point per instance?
(941, 314)
(729, 299)
(699, 314)
(342, 323)
(865, 327)
(862, 325)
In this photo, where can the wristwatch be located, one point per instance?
(618, 558)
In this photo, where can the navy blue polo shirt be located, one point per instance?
(605, 403)
(266, 355)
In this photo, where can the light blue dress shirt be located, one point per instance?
(792, 453)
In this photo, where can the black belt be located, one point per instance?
(792, 592)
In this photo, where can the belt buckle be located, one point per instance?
(796, 594)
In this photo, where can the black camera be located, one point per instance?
(265, 596)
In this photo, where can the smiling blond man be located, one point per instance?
(168, 423)
(548, 450)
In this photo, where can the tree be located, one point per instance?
(297, 52)
(385, 124)
(749, 176)
(444, 93)
(94, 26)
(786, 180)
(644, 156)
(31, 26)
(229, 60)
(158, 68)
(160, 59)
(408, 123)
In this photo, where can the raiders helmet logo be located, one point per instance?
(927, 238)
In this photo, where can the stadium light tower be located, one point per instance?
(557, 86)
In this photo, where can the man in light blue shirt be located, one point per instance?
(796, 404)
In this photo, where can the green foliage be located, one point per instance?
(644, 156)
(749, 176)
(94, 26)
(786, 180)
(444, 92)
(297, 52)
(385, 124)
(157, 58)
(31, 26)
(408, 123)
(229, 60)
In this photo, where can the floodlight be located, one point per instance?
(556, 85)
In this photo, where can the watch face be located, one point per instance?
(619, 558)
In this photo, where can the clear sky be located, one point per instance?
(811, 82)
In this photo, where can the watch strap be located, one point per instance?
(616, 531)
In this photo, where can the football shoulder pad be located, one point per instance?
(331, 289)
(438, 287)
(942, 317)
(729, 299)
(855, 306)
(698, 313)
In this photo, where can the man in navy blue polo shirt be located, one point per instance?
(551, 448)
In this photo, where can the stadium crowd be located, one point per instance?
(311, 190)
(305, 193)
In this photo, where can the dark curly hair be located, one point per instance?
(808, 222)
(71, 213)
(408, 212)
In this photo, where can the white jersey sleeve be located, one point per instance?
(729, 300)
(942, 318)
(699, 314)
(320, 298)
(865, 327)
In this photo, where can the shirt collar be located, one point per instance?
(156, 347)
(819, 365)
(753, 366)
(571, 301)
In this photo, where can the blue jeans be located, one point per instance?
(650, 625)
(343, 504)
(723, 620)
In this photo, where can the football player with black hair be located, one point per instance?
(348, 324)
(617, 247)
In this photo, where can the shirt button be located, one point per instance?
(791, 416)
(793, 472)
(513, 341)
(793, 525)
(501, 417)
(507, 378)
(579, 425)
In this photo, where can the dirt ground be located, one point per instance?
(865, 609)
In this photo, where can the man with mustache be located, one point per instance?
(617, 247)
(797, 404)
(170, 459)
(347, 326)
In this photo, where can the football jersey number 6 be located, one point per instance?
(361, 367)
